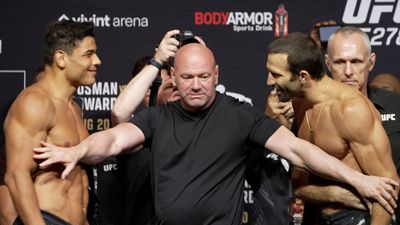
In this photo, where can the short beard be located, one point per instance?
(288, 93)
(284, 96)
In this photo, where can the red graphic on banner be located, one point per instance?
(296, 211)
(281, 22)
(239, 21)
(210, 18)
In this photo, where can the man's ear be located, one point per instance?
(326, 62)
(216, 74)
(59, 58)
(303, 76)
(371, 61)
(172, 71)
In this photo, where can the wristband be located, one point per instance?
(153, 62)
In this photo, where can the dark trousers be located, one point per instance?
(49, 218)
(347, 217)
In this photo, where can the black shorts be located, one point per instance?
(49, 218)
(347, 217)
(2, 164)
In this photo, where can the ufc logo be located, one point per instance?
(352, 16)
(110, 167)
(388, 117)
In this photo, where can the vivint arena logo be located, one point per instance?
(107, 21)
(367, 14)
(240, 21)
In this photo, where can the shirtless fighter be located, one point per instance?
(339, 119)
(47, 111)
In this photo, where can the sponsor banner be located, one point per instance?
(96, 102)
(379, 18)
(248, 200)
(238, 21)
(100, 96)
(106, 20)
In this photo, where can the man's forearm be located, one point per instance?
(320, 191)
(7, 210)
(308, 156)
(379, 215)
(100, 145)
(96, 148)
(330, 194)
(324, 165)
(132, 95)
(24, 197)
(327, 166)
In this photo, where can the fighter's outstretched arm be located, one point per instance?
(95, 148)
(308, 156)
(323, 193)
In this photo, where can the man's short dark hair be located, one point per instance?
(303, 54)
(64, 35)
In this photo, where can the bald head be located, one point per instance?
(349, 57)
(195, 74)
(350, 32)
(193, 53)
(386, 81)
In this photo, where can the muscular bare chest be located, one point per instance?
(68, 128)
(64, 197)
(321, 130)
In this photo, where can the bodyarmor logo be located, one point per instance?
(241, 21)
(352, 16)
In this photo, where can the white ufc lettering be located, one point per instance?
(352, 16)
(110, 167)
(388, 117)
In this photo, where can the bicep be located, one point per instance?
(24, 128)
(372, 151)
(19, 145)
(368, 142)
(127, 136)
(282, 142)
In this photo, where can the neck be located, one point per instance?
(364, 91)
(59, 87)
(318, 90)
